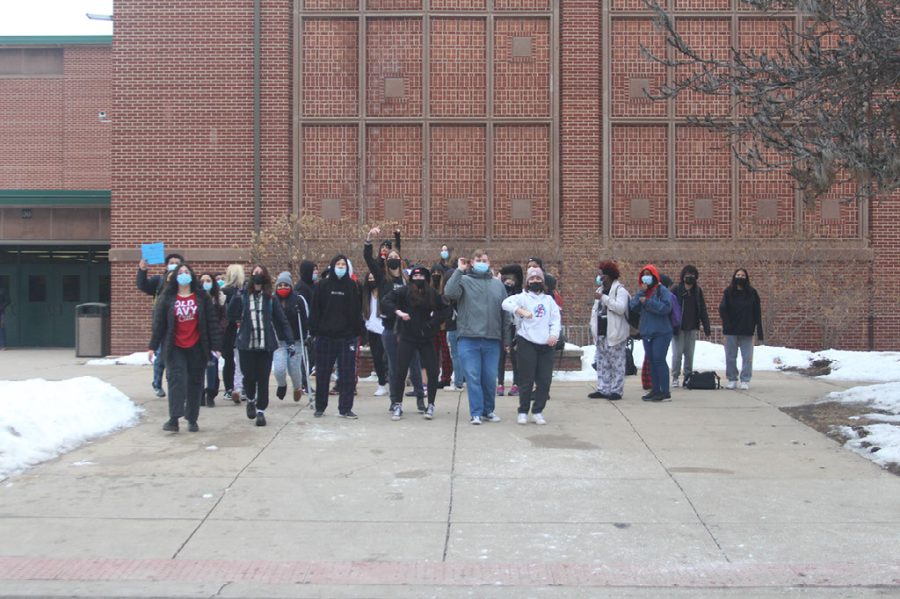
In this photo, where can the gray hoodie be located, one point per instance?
(479, 311)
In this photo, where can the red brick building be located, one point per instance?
(516, 125)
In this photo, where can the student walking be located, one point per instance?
(284, 361)
(741, 313)
(609, 327)
(374, 331)
(420, 310)
(654, 303)
(154, 286)
(537, 322)
(693, 315)
(512, 278)
(231, 370)
(186, 331)
(208, 283)
(336, 324)
(259, 315)
(482, 326)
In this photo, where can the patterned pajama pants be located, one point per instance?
(610, 367)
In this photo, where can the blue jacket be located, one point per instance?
(654, 312)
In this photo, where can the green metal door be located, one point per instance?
(48, 298)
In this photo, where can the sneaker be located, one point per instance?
(649, 396)
(260, 419)
(458, 387)
(192, 427)
(380, 390)
(476, 420)
(244, 397)
(675, 383)
(522, 418)
(298, 393)
(597, 395)
(420, 405)
(662, 397)
(410, 393)
(429, 412)
(614, 397)
(210, 402)
(171, 426)
(731, 384)
(491, 417)
(334, 391)
(159, 392)
(319, 413)
(280, 392)
(538, 419)
(500, 390)
(396, 411)
(514, 391)
(349, 415)
(236, 397)
(744, 386)
(251, 409)
(443, 384)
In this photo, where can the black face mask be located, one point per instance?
(259, 279)
(690, 279)
(740, 282)
(393, 263)
(370, 284)
(536, 287)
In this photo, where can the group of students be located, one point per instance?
(615, 313)
(457, 322)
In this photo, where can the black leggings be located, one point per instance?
(378, 358)
(256, 366)
(406, 349)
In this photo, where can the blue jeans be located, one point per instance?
(158, 366)
(480, 358)
(655, 348)
(459, 377)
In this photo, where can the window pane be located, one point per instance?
(37, 288)
(71, 288)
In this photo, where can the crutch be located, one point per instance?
(304, 355)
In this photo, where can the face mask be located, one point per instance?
(740, 281)
(535, 287)
(259, 279)
(509, 283)
(283, 293)
(647, 280)
(339, 272)
(315, 277)
(184, 279)
(172, 266)
(445, 255)
(370, 284)
(690, 279)
(393, 263)
(220, 283)
(599, 280)
(481, 267)
(206, 286)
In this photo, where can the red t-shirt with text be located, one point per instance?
(187, 334)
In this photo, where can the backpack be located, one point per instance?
(702, 380)
(676, 313)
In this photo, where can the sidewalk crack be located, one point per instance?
(452, 477)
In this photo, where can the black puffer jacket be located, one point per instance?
(424, 322)
(741, 310)
(164, 324)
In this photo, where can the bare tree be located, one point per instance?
(823, 105)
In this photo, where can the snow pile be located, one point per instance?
(40, 419)
(862, 366)
(136, 359)
(877, 442)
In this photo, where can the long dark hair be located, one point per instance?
(367, 295)
(422, 297)
(172, 282)
(267, 283)
(214, 292)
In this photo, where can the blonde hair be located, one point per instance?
(478, 254)
(234, 276)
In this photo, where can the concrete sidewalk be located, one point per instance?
(717, 493)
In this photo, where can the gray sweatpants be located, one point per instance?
(733, 343)
(683, 344)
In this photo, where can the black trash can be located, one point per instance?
(91, 330)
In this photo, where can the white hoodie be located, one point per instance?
(545, 321)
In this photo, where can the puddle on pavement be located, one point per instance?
(560, 442)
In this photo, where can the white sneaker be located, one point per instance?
(475, 420)
(730, 384)
(491, 417)
(396, 412)
(538, 419)
(744, 386)
(522, 419)
(380, 390)
(675, 383)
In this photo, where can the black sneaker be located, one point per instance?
(662, 397)
(192, 426)
(420, 405)
(171, 426)
(260, 419)
(251, 409)
(349, 415)
(396, 411)
(597, 395)
(159, 392)
(614, 397)
(210, 402)
(280, 392)
(649, 397)
(319, 413)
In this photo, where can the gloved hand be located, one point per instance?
(291, 351)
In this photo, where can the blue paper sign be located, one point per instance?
(153, 253)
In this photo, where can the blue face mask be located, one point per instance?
(445, 255)
(172, 266)
(220, 283)
(481, 267)
(207, 286)
(599, 280)
(184, 278)
(315, 277)
(647, 280)
(340, 272)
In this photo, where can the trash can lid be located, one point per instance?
(91, 307)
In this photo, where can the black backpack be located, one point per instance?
(702, 380)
